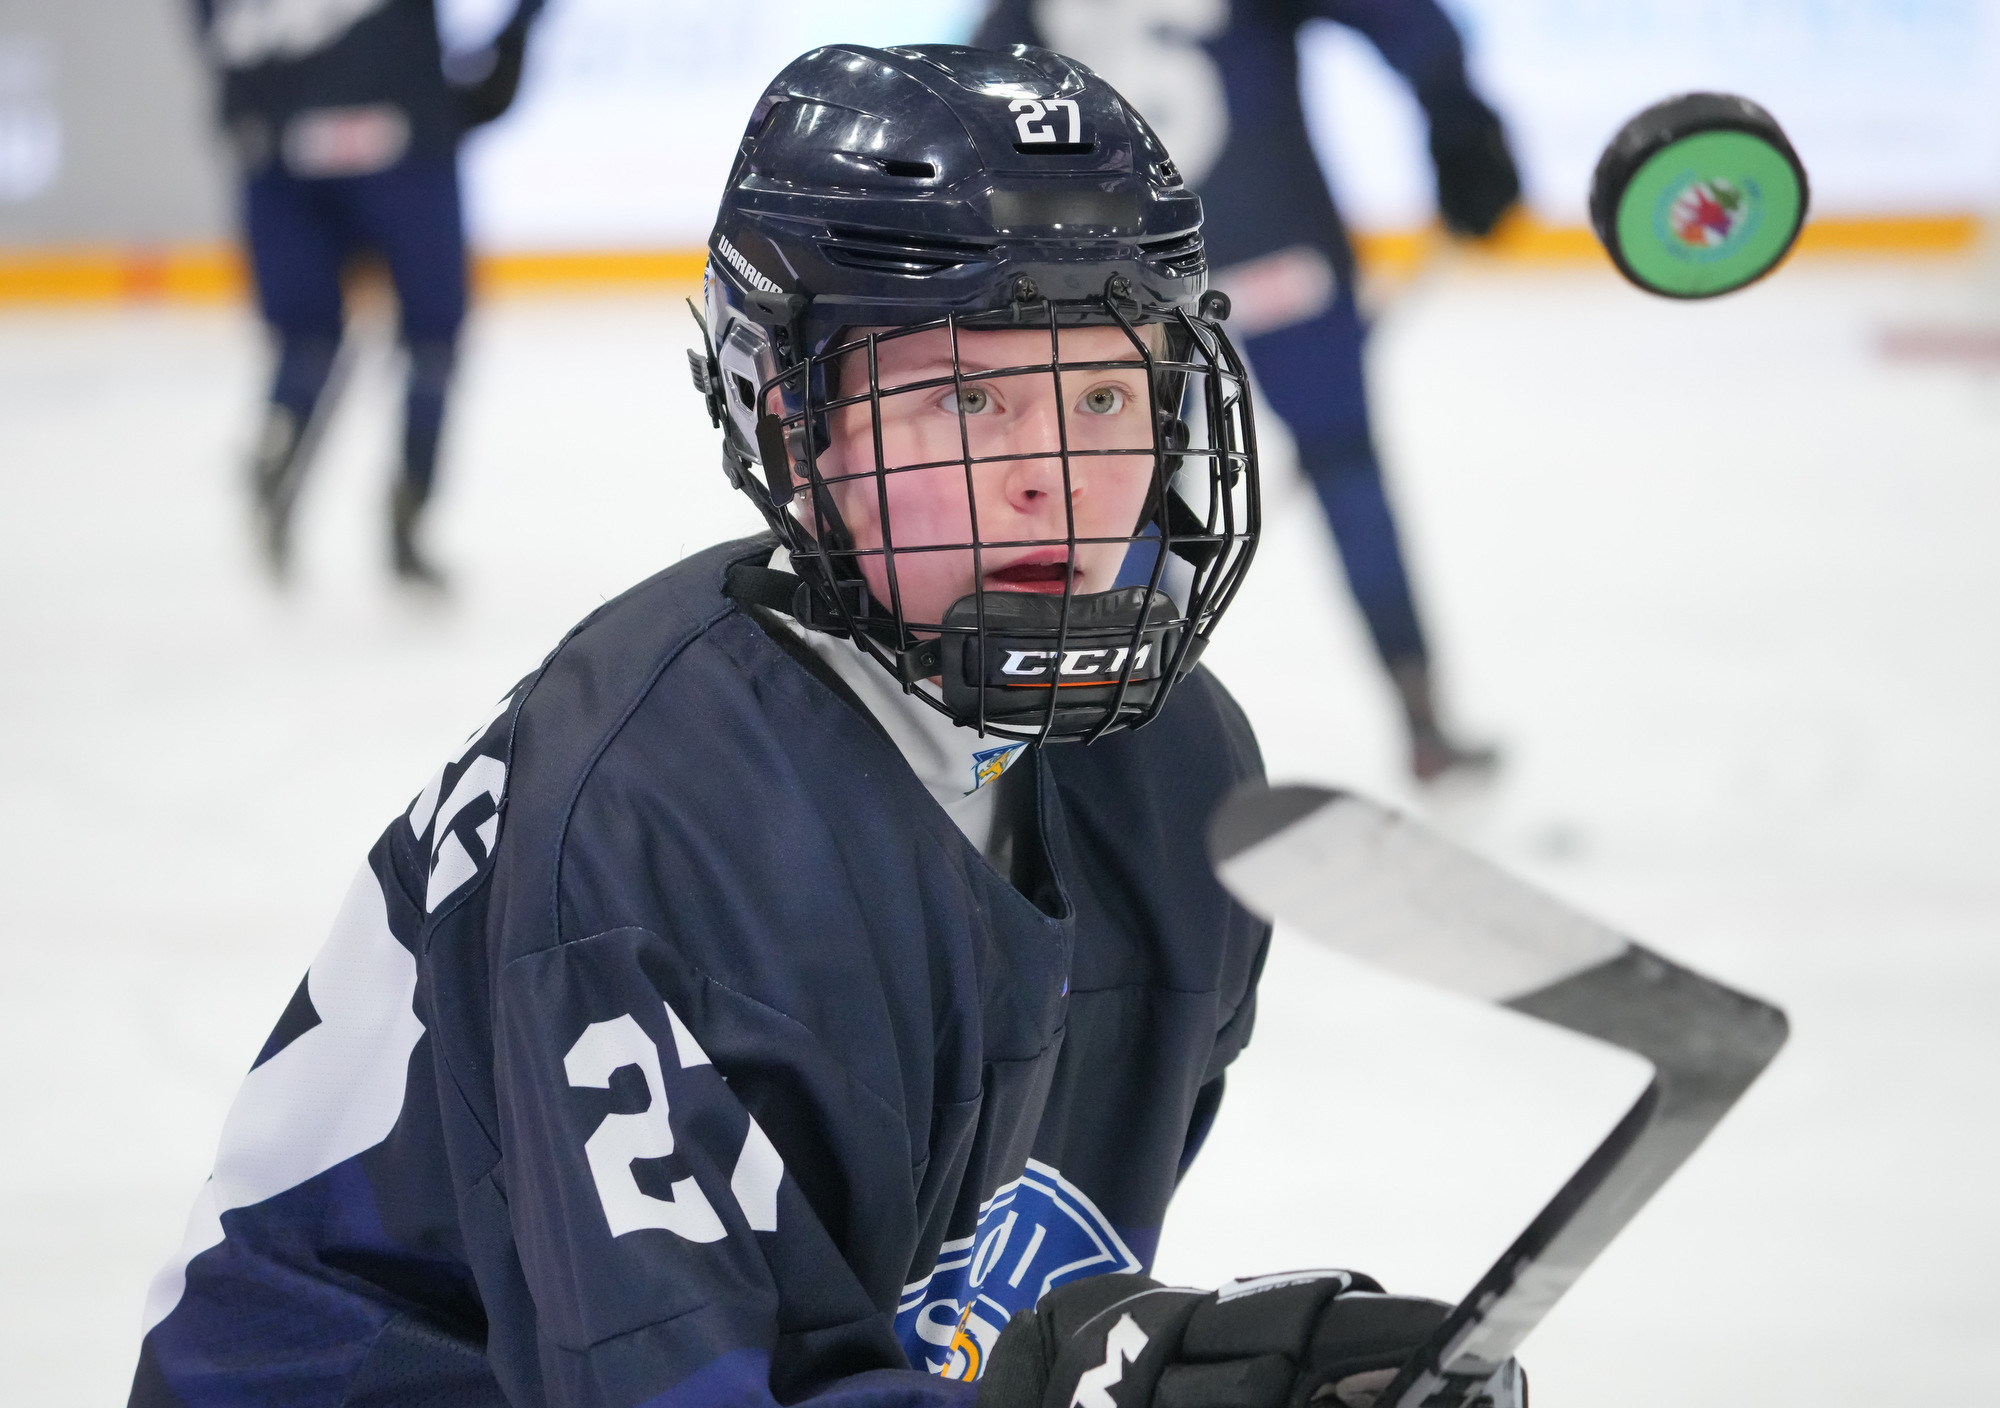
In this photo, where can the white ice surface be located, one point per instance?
(1722, 582)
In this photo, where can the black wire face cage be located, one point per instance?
(1074, 628)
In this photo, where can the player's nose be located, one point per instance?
(1037, 475)
(1034, 483)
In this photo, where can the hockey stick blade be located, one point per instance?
(1359, 878)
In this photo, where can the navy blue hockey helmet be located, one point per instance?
(962, 349)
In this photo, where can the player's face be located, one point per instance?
(1024, 513)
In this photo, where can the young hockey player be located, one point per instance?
(346, 130)
(815, 963)
(1220, 78)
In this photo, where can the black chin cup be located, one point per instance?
(1001, 671)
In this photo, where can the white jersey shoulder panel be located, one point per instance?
(334, 1091)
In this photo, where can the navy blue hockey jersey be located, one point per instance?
(676, 1048)
(1219, 81)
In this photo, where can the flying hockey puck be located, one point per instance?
(1698, 196)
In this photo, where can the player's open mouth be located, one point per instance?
(1047, 577)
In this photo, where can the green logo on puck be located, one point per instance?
(1709, 213)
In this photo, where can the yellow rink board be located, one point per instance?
(212, 273)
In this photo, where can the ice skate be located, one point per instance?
(411, 565)
(275, 478)
(1435, 755)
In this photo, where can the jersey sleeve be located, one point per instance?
(1417, 39)
(320, 1262)
(287, 1278)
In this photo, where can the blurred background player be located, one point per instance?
(346, 126)
(1220, 80)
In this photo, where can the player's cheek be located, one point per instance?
(850, 446)
(928, 509)
(1099, 563)
(854, 499)
(913, 430)
(1119, 495)
(1121, 485)
(929, 506)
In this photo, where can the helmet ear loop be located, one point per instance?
(836, 561)
(858, 607)
(1231, 452)
(1114, 300)
(822, 549)
(830, 531)
(1171, 436)
(1185, 532)
(707, 371)
(813, 438)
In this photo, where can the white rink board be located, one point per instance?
(1890, 104)
(631, 109)
(1720, 581)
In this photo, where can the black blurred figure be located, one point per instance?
(346, 127)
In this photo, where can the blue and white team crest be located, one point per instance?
(1033, 1234)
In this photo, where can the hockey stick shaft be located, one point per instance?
(1363, 880)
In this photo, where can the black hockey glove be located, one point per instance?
(1326, 1338)
(1476, 178)
(487, 81)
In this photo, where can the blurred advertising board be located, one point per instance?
(632, 107)
(630, 110)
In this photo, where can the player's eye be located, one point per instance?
(1103, 401)
(974, 400)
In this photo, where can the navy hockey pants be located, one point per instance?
(1310, 374)
(301, 233)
